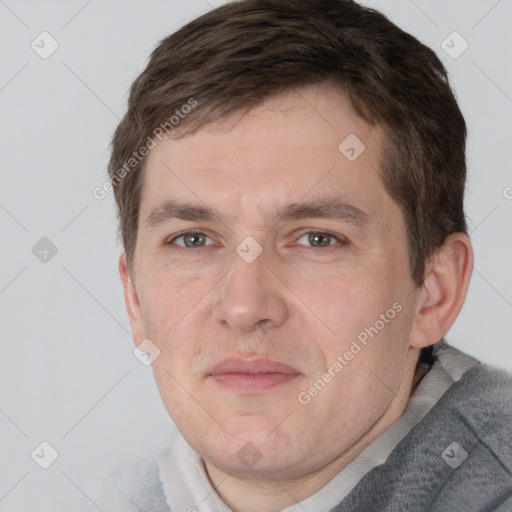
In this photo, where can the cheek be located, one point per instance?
(342, 304)
(366, 322)
(167, 299)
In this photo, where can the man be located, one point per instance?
(289, 179)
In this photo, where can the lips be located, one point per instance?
(252, 366)
(252, 375)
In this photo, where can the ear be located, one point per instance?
(132, 302)
(444, 290)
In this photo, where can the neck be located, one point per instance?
(272, 495)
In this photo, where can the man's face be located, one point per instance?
(320, 283)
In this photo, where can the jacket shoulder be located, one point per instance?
(458, 457)
(137, 488)
(483, 402)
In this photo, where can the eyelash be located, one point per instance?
(341, 241)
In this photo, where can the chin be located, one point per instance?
(263, 467)
(253, 452)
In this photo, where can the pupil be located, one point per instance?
(190, 240)
(315, 237)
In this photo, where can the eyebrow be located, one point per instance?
(325, 208)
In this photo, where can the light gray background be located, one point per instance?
(67, 372)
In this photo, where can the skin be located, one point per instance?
(296, 303)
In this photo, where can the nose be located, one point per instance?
(251, 296)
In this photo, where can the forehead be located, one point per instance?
(305, 144)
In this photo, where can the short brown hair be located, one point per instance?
(234, 57)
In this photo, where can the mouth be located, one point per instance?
(252, 376)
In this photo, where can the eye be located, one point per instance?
(191, 240)
(319, 239)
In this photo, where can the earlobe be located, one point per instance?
(132, 303)
(444, 290)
